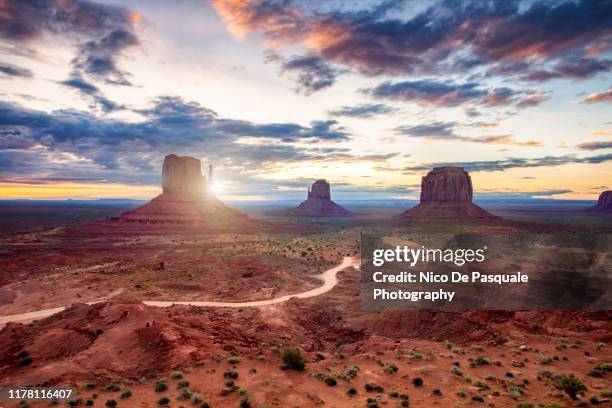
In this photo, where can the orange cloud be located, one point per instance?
(599, 97)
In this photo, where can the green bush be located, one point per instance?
(161, 386)
(176, 375)
(126, 394)
(196, 398)
(331, 381)
(111, 403)
(163, 401)
(25, 361)
(417, 381)
(293, 359)
(571, 385)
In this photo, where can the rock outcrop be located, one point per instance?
(187, 199)
(446, 194)
(319, 203)
(604, 202)
(446, 185)
(182, 175)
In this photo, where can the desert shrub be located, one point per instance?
(182, 384)
(456, 370)
(571, 385)
(89, 403)
(161, 386)
(391, 368)
(186, 394)
(417, 381)
(196, 398)
(126, 394)
(176, 375)
(205, 405)
(461, 394)
(482, 385)
(600, 370)
(515, 393)
(437, 391)
(351, 392)
(114, 387)
(293, 359)
(163, 401)
(481, 361)
(350, 373)
(331, 381)
(233, 360)
(111, 403)
(245, 403)
(373, 387)
(25, 361)
(231, 374)
(478, 398)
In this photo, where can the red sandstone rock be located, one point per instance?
(182, 175)
(446, 184)
(604, 203)
(319, 203)
(187, 199)
(446, 193)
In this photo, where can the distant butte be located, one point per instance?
(446, 194)
(187, 199)
(319, 203)
(604, 203)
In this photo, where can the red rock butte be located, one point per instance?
(604, 203)
(446, 194)
(187, 199)
(319, 203)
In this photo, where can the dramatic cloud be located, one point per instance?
(448, 94)
(311, 73)
(434, 129)
(511, 163)
(103, 31)
(42, 143)
(449, 35)
(97, 58)
(97, 98)
(599, 97)
(366, 110)
(444, 131)
(595, 145)
(428, 92)
(13, 70)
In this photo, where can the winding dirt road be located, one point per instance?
(328, 277)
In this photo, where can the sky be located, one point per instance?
(369, 95)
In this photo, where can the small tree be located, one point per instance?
(571, 385)
(293, 359)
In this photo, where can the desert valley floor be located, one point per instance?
(119, 349)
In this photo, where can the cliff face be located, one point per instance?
(446, 184)
(182, 176)
(604, 202)
(320, 189)
(446, 194)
